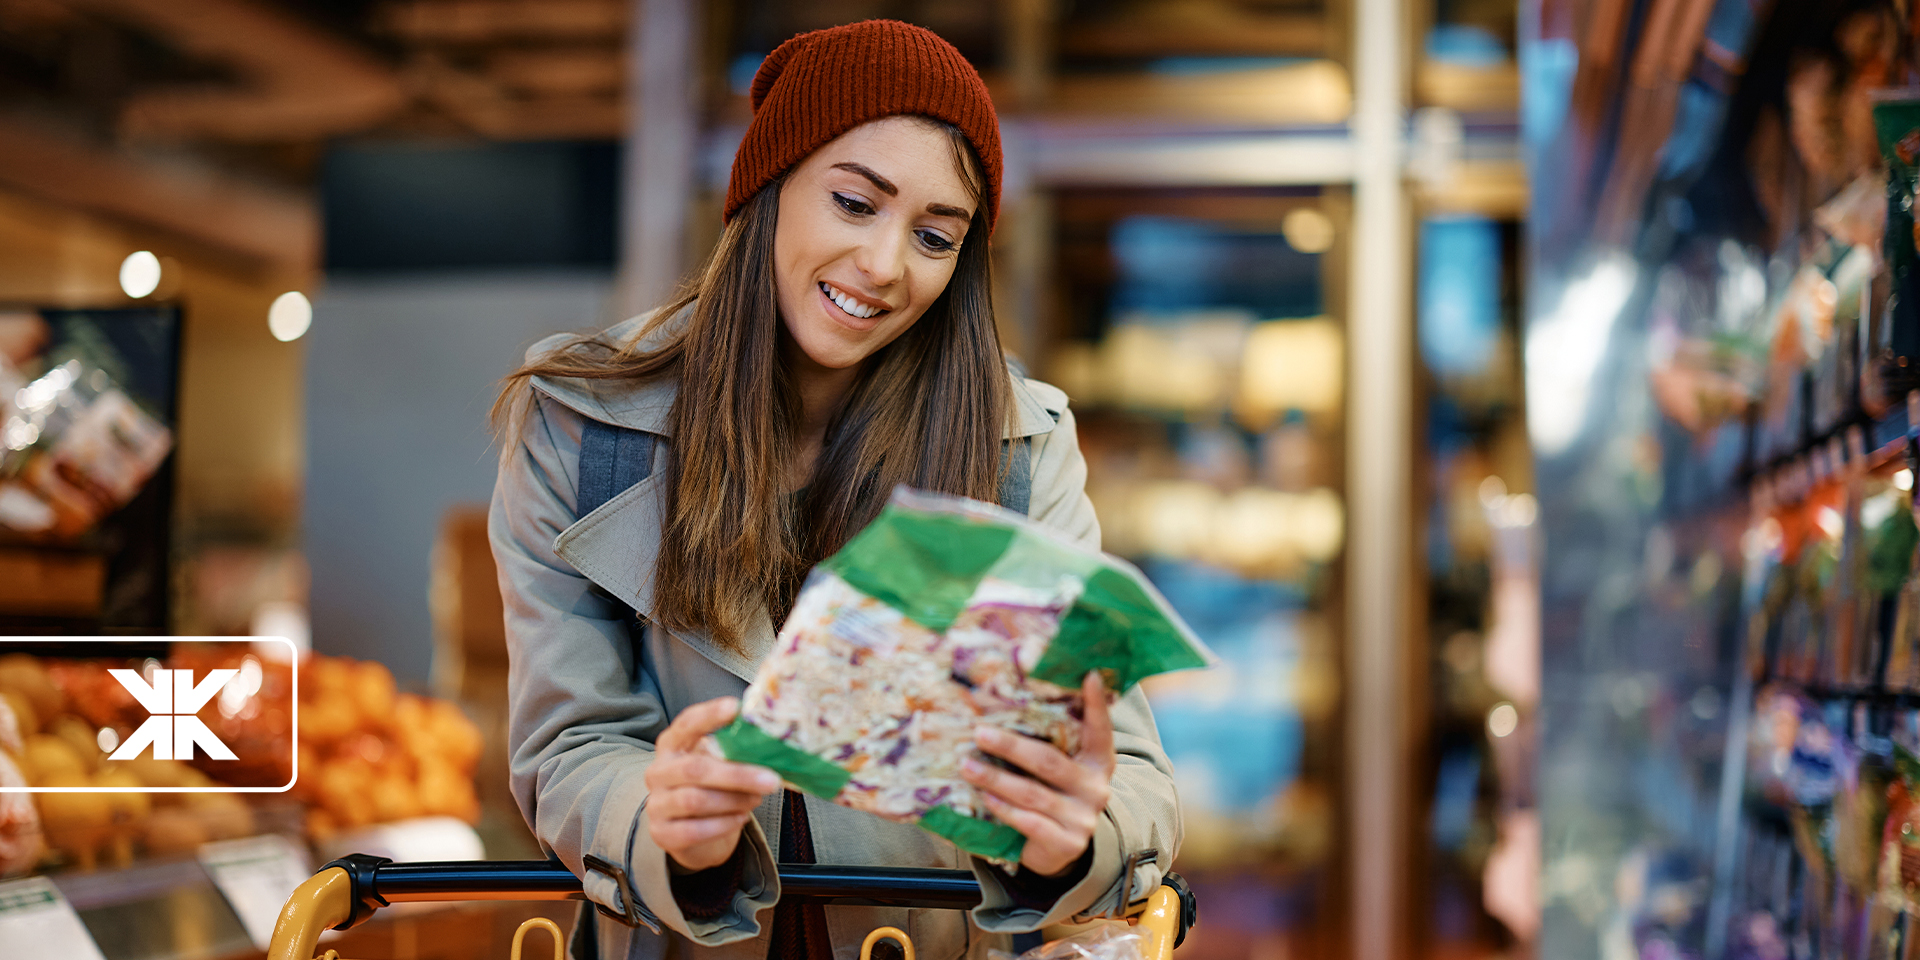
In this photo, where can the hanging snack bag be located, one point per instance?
(942, 615)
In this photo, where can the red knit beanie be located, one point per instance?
(819, 85)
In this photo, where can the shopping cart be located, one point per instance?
(347, 891)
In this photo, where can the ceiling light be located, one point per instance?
(140, 273)
(290, 316)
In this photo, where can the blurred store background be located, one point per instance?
(1336, 368)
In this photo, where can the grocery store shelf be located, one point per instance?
(46, 582)
(1225, 32)
(1300, 158)
(1877, 441)
(1470, 89)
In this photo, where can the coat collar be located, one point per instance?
(646, 405)
(617, 545)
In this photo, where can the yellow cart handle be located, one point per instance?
(1160, 918)
(895, 934)
(553, 930)
(323, 900)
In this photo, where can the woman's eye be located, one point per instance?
(936, 242)
(853, 205)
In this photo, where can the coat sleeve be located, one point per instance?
(583, 713)
(1144, 812)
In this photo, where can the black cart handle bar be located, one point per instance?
(551, 880)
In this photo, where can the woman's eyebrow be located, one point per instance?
(886, 186)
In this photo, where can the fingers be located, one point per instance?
(710, 772)
(1034, 826)
(1038, 757)
(693, 803)
(697, 802)
(1022, 792)
(696, 722)
(1058, 807)
(1050, 848)
(700, 842)
(1096, 734)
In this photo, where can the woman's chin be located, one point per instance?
(830, 353)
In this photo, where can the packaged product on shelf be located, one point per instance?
(1807, 626)
(942, 615)
(1894, 556)
(1874, 559)
(1859, 819)
(1800, 319)
(1705, 366)
(1903, 660)
(1888, 541)
(1857, 215)
(1898, 877)
(1766, 583)
(80, 444)
(1813, 778)
(1896, 118)
(1845, 593)
(1880, 373)
(1835, 370)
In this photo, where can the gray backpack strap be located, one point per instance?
(1016, 484)
(611, 460)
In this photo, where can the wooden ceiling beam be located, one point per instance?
(269, 226)
(301, 83)
(566, 71)
(484, 106)
(488, 21)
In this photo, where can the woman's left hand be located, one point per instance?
(1057, 807)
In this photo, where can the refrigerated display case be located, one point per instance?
(1207, 383)
(1479, 553)
(1718, 404)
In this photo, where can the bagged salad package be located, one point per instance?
(942, 615)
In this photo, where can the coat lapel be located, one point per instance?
(618, 547)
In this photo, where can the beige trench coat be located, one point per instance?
(588, 694)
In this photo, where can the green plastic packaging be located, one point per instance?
(944, 614)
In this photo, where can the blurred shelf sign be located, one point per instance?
(37, 923)
(256, 875)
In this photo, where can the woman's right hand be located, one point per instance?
(697, 802)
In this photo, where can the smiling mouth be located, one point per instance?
(853, 308)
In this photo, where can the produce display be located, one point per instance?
(368, 754)
(53, 708)
(371, 755)
(944, 614)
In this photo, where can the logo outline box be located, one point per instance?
(293, 721)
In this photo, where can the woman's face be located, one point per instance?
(870, 229)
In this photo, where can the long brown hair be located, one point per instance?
(927, 410)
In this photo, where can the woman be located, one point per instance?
(667, 484)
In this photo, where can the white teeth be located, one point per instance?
(848, 304)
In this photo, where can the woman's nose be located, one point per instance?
(883, 258)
